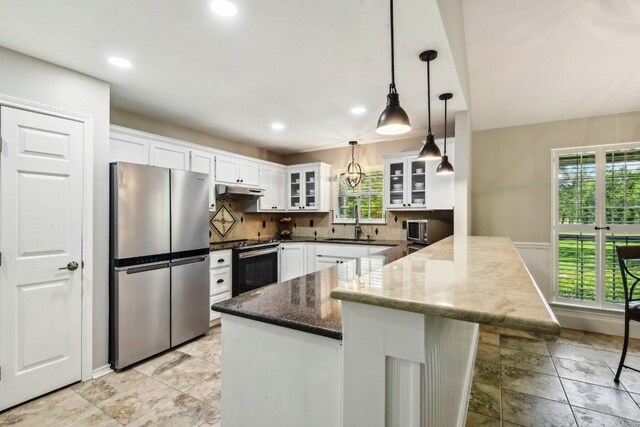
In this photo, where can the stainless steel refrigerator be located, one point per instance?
(159, 249)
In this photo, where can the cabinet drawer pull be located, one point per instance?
(220, 280)
(221, 260)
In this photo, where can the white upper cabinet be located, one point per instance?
(170, 156)
(203, 162)
(233, 170)
(272, 181)
(412, 184)
(226, 170)
(309, 187)
(249, 173)
(128, 149)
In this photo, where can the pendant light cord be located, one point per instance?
(392, 86)
(429, 94)
(445, 127)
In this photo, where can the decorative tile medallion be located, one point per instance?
(223, 220)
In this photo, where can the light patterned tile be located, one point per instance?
(208, 391)
(601, 399)
(528, 361)
(636, 397)
(630, 380)
(206, 348)
(587, 418)
(613, 358)
(577, 353)
(94, 417)
(586, 372)
(181, 410)
(479, 420)
(527, 410)
(485, 400)
(109, 385)
(189, 373)
(64, 406)
(156, 366)
(133, 403)
(533, 383)
(536, 346)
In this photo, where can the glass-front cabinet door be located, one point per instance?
(396, 184)
(416, 179)
(295, 189)
(311, 189)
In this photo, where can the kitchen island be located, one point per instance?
(394, 345)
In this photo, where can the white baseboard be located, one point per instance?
(593, 320)
(101, 371)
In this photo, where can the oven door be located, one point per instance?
(253, 269)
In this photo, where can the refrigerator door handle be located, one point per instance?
(142, 269)
(185, 261)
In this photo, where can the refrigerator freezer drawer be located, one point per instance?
(189, 211)
(142, 323)
(189, 299)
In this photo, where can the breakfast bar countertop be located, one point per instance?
(470, 278)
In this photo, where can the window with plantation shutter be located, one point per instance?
(596, 208)
(367, 196)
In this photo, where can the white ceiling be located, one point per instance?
(301, 62)
(533, 61)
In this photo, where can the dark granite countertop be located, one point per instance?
(220, 246)
(304, 303)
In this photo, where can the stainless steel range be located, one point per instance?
(255, 264)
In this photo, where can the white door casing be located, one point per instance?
(41, 194)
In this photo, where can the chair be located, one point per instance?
(631, 312)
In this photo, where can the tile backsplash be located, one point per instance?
(247, 225)
(317, 224)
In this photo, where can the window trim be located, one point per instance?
(335, 204)
(600, 151)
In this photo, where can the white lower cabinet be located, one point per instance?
(220, 277)
(291, 261)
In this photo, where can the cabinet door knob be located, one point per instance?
(220, 280)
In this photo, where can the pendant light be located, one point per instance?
(353, 174)
(393, 120)
(430, 150)
(445, 168)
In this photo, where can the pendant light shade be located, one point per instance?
(445, 168)
(354, 174)
(429, 150)
(393, 120)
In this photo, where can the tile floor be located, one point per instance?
(177, 388)
(520, 379)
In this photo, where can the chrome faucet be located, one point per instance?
(358, 228)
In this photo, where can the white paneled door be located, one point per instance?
(41, 190)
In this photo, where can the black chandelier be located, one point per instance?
(354, 174)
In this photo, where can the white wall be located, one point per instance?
(33, 80)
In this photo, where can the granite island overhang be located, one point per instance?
(389, 344)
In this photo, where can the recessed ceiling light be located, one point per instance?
(277, 126)
(358, 110)
(119, 62)
(223, 8)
